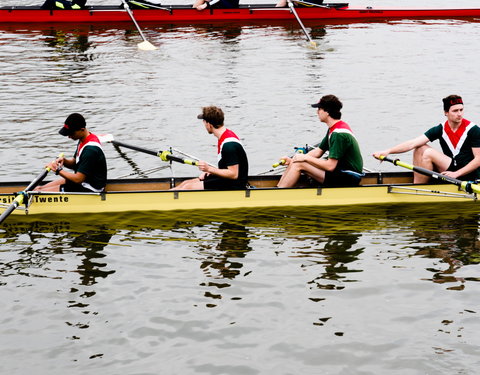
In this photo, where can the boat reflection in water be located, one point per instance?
(330, 240)
(43, 243)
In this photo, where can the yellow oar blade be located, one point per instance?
(146, 46)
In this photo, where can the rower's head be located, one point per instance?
(453, 107)
(450, 101)
(73, 124)
(212, 115)
(330, 104)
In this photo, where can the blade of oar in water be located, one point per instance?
(21, 196)
(145, 45)
(164, 155)
(467, 186)
(292, 9)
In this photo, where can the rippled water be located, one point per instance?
(352, 291)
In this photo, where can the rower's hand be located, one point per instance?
(298, 158)
(377, 154)
(60, 160)
(53, 165)
(203, 166)
(202, 7)
(287, 160)
(451, 174)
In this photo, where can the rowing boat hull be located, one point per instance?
(172, 13)
(145, 195)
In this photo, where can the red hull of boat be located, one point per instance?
(97, 15)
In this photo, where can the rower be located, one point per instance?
(459, 140)
(88, 162)
(64, 4)
(232, 171)
(344, 164)
(215, 4)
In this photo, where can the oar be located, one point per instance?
(20, 198)
(164, 155)
(464, 185)
(145, 45)
(292, 8)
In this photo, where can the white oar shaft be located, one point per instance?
(292, 8)
(145, 45)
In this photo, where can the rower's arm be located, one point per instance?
(231, 172)
(316, 152)
(470, 167)
(76, 178)
(325, 164)
(69, 163)
(404, 147)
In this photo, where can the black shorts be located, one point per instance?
(339, 178)
(212, 182)
(70, 187)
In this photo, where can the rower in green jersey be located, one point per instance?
(344, 164)
(64, 4)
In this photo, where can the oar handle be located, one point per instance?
(279, 163)
(167, 156)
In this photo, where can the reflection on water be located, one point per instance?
(240, 280)
(328, 240)
(43, 243)
(457, 243)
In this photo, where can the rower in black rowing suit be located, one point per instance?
(64, 4)
(219, 4)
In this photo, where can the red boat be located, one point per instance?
(253, 12)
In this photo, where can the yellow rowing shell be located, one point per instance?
(153, 195)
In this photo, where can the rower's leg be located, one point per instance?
(192, 184)
(291, 176)
(429, 158)
(51, 186)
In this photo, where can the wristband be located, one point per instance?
(57, 172)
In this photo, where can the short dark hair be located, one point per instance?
(213, 115)
(330, 104)
(450, 101)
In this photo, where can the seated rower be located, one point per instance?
(64, 4)
(88, 162)
(232, 171)
(219, 4)
(344, 164)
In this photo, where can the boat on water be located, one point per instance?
(246, 12)
(153, 194)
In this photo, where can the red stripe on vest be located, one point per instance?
(226, 134)
(455, 136)
(90, 138)
(339, 125)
